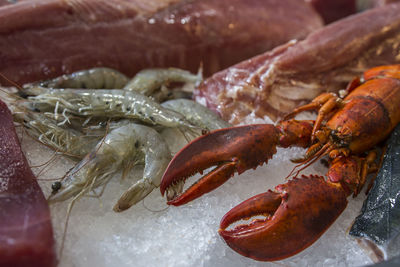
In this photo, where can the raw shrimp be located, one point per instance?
(109, 103)
(96, 78)
(121, 149)
(196, 114)
(165, 94)
(156, 159)
(148, 81)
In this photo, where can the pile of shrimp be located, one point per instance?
(108, 123)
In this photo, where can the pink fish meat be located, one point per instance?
(273, 83)
(26, 234)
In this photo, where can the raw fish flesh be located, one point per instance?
(273, 83)
(26, 233)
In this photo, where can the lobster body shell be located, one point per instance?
(369, 115)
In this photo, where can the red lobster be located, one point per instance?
(346, 129)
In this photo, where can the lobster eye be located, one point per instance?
(333, 136)
(339, 139)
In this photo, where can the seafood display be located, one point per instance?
(133, 35)
(274, 83)
(26, 233)
(379, 220)
(347, 130)
(76, 59)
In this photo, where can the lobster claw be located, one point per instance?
(296, 215)
(231, 150)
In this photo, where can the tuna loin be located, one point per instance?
(26, 234)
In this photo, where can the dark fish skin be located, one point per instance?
(379, 220)
(47, 38)
(26, 234)
(273, 83)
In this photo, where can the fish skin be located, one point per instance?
(26, 233)
(41, 39)
(274, 83)
(379, 219)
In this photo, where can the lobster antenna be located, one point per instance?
(312, 161)
(322, 152)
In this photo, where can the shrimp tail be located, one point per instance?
(134, 194)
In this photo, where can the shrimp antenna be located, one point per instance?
(52, 158)
(11, 82)
(90, 155)
(151, 210)
(13, 95)
(47, 162)
(46, 165)
(87, 187)
(69, 210)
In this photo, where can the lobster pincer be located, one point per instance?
(295, 215)
(229, 150)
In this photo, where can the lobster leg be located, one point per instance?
(230, 150)
(296, 215)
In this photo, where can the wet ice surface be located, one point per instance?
(152, 234)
